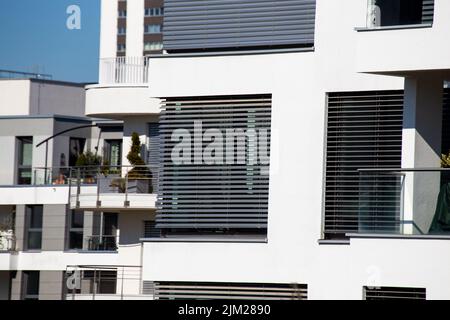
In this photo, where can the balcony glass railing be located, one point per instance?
(105, 283)
(118, 181)
(102, 243)
(404, 201)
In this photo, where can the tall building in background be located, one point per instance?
(142, 19)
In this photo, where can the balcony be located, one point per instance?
(122, 89)
(105, 283)
(118, 188)
(403, 37)
(404, 203)
(124, 70)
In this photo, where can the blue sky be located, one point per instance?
(34, 35)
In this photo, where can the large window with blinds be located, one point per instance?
(222, 185)
(364, 130)
(210, 25)
(225, 291)
(394, 293)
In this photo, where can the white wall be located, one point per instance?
(108, 29)
(14, 97)
(407, 50)
(118, 101)
(298, 83)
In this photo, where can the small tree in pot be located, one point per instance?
(139, 171)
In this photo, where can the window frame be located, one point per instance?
(21, 142)
(30, 210)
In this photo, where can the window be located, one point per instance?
(225, 291)
(33, 225)
(222, 197)
(122, 31)
(113, 152)
(364, 130)
(153, 28)
(193, 26)
(385, 13)
(150, 230)
(25, 160)
(76, 148)
(153, 46)
(76, 224)
(394, 293)
(30, 285)
(122, 13)
(121, 47)
(154, 12)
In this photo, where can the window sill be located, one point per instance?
(231, 53)
(334, 242)
(91, 251)
(399, 27)
(207, 239)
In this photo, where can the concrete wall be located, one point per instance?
(14, 97)
(109, 101)
(35, 97)
(51, 98)
(51, 285)
(299, 83)
(406, 50)
(54, 228)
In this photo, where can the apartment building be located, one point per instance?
(292, 150)
(352, 96)
(52, 213)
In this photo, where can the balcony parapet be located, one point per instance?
(121, 187)
(124, 70)
(412, 202)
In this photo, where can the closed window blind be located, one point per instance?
(428, 11)
(217, 197)
(226, 291)
(394, 293)
(217, 24)
(364, 130)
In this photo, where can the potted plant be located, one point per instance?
(139, 177)
(85, 162)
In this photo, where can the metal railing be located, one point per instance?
(7, 241)
(124, 70)
(104, 283)
(404, 201)
(44, 176)
(102, 243)
(120, 181)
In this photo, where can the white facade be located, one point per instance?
(344, 56)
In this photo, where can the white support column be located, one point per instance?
(135, 28)
(108, 36)
(421, 148)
